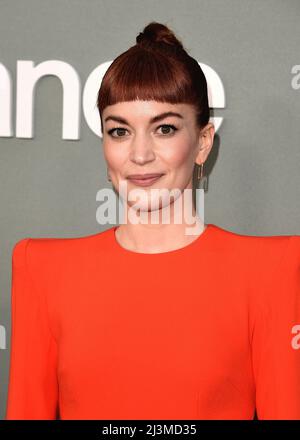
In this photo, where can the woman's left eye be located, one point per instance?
(168, 127)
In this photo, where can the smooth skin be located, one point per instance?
(137, 145)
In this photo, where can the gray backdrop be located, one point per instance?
(48, 184)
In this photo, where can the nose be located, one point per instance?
(141, 150)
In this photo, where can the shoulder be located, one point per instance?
(270, 266)
(294, 247)
(19, 252)
(263, 262)
(44, 249)
(267, 248)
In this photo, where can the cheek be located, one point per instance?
(115, 157)
(178, 154)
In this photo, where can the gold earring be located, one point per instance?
(199, 177)
(202, 180)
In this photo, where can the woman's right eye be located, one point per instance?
(116, 128)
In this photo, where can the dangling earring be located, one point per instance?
(202, 180)
(108, 176)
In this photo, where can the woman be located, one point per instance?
(156, 320)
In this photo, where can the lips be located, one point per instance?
(145, 179)
(143, 176)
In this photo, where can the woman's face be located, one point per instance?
(135, 143)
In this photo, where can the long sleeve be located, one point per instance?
(33, 386)
(276, 340)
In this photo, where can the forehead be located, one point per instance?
(145, 110)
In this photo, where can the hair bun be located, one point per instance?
(157, 33)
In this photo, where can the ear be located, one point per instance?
(205, 143)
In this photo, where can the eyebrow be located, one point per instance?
(152, 120)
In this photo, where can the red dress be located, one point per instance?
(207, 331)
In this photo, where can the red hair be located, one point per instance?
(156, 68)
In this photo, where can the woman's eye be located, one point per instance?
(114, 129)
(168, 126)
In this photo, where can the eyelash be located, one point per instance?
(122, 128)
